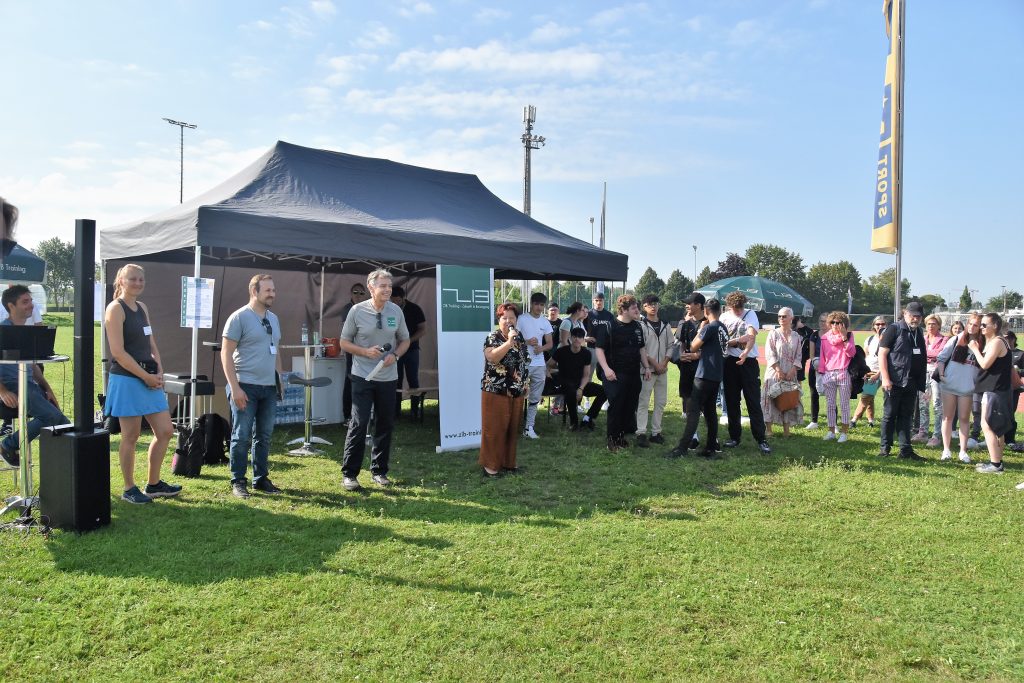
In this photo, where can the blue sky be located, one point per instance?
(716, 124)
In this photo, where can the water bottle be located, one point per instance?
(305, 333)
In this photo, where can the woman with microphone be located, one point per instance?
(505, 381)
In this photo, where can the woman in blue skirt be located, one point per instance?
(136, 386)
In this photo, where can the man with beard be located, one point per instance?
(902, 364)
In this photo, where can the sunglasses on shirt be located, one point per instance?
(380, 326)
(267, 326)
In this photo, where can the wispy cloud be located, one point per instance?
(249, 68)
(606, 19)
(552, 32)
(344, 68)
(323, 8)
(259, 25)
(375, 36)
(489, 15)
(496, 59)
(414, 8)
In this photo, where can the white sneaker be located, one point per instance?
(971, 444)
(350, 484)
(530, 434)
(842, 438)
(811, 425)
(1020, 486)
(964, 458)
(988, 468)
(830, 436)
(946, 456)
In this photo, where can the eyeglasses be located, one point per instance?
(835, 322)
(879, 324)
(267, 326)
(984, 326)
(358, 293)
(380, 326)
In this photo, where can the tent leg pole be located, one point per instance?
(320, 326)
(195, 351)
(104, 369)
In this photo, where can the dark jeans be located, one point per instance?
(976, 417)
(594, 391)
(346, 393)
(42, 412)
(623, 399)
(366, 395)
(812, 384)
(746, 379)
(409, 368)
(251, 429)
(702, 400)
(898, 416)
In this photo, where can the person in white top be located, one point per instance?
(866, 403)
(657, 340)
(536, 330)
(742, 373)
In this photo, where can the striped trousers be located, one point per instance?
(837, 386)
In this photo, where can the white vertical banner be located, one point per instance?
(465, 316)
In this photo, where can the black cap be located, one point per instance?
(695, 298)
(915, 308)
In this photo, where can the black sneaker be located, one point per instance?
(613, 444)
(162, 489)
(695, 444)
(657, 438)
(12, 458)
(884, 453)
(135, 496)
(675, 453)
(641, 441)
(911, 455)
(266, 486)
(731, 443)
(713, 447)
(240, 488)
(709, 454)
(764, 448)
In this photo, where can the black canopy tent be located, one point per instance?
(336, 217)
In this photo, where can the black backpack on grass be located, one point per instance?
(188, 456)
(217, 438)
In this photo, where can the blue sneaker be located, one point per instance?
(135, 496)
(162, 489)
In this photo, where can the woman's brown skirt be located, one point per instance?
(501, 415)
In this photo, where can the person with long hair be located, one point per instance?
(866, 403)
(505, 382)
(931, 397)
(995, 362)
(956, 360)
(837, 350)
(136, 387)
(575, 315)
(783, 349)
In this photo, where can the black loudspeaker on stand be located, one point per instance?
(74, 462)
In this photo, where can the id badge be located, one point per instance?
(917, 351)
(147, 330)
(273, 349)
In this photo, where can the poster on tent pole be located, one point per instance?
(196, 302)
(465, 316)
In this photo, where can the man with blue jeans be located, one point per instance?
(249, 353)
(40, 403)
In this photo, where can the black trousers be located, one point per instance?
(898, 417)
(623, 399)
(703, 399)
(1011, 433)
(594, 391)
(812, 384)
(743, 379)
(381, 397)
(346, 393)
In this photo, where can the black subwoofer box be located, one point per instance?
(74, 478)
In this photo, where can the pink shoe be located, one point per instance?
(919, 437)
(933, 442)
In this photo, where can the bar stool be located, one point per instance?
(307, 439)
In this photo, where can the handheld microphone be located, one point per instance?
(383, 348)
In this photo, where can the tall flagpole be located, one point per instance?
(899, 37)
(604, 199)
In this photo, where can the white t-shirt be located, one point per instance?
(530, 327)
(736, 327)
(34, 320)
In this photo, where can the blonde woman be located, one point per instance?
(783, 350)
(135, 387)
(837, 350)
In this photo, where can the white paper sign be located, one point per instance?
(196, 302)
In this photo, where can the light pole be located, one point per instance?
(695, 266)
(1004, 299)
(181, 182)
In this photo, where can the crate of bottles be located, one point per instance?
(290, 409)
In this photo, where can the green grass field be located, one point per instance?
(820, 562)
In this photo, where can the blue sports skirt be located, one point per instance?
(128, 396)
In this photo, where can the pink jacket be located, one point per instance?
(836, 352)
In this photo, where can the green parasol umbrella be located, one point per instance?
(763, 295)
(18, 264)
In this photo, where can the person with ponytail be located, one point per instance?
(135, 386)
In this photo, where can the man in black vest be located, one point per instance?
(903, 365)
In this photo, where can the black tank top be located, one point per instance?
(136, 343)
(997, 377)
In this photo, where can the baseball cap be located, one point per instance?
(915, 308)
(695, 298)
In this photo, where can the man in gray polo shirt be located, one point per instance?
(249, 354)
(374, 334)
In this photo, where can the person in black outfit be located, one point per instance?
(709, 344)
(409, 364)
(358, 294)
(903, 366)
(742, 374)
(597, 318)
(1018, 363)
(813, 350)
(623, 361)
(689, 358)
(573, 362)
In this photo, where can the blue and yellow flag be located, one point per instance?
(885, 234)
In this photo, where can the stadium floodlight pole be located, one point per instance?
(181, 175)
(1004, 299)
(530, 142)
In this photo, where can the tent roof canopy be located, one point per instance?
(302, 208)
